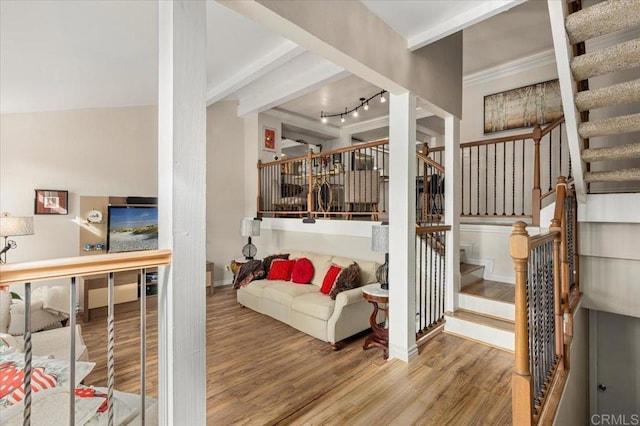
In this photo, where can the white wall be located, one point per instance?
(104, 151)
(225, 187)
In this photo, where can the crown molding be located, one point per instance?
(536, 60)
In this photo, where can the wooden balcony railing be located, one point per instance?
(544, 268)
(28, 272)
(431, 277)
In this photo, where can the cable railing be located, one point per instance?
(431, 277)
(544, 272)
(344, 183)
(72, 268)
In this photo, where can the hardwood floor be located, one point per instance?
(495, 290)
(263, 372)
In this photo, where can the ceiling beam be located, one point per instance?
(267, 95)
(262, 66)
(485, 10)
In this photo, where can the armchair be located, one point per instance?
(362, 192)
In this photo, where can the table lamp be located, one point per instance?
(13, 226)
(380, 243)
(250, 228)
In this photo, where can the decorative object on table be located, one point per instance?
(250, 228)
(51, 201)
(526, 106)
(380, 243)
(13, 226)
(269, 139)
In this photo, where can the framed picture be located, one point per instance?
(526, 106)
(51, 201)
(269, 139)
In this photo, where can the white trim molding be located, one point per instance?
(517, 66)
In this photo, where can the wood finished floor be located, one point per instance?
(502, 292)
(263, 372)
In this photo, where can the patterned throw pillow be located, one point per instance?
(281, 270)
(349, 278)
(266, 262)
(330, 279)
(302, 271)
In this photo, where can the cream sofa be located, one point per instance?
(304, 307)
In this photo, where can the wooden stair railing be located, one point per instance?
(545, 281)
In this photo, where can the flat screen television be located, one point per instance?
(132, 228)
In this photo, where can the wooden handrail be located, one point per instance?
(519, 136)
(17, 273)
(423, 230)
(552, 126)
(430, 162)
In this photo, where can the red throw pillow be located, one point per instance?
(281, 269)
(330, 279)
(302, 271)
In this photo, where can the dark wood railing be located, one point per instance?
(431, 277)
(545, 284)
(347, 182)
(429, 186)
(497, 174)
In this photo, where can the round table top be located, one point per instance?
(374, 292)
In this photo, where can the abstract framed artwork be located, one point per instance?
(526, 106)
(269, 139)
(51, 201)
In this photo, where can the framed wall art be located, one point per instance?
(51, 201)
(526, 106)
(269, 139)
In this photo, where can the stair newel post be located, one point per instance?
(535, 201)
(309, 183)
(558, 224)
(522, 388)
(260, 201)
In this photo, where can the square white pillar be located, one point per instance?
(452, 206)
(182, 212)
(402, 224)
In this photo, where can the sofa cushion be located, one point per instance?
(266, 262)
(314, 304)
(367, 269)
(302, 271)
(5, 305)
(257, 287)
(330, 279)
(281, 269)
(284, 292)
(349, 278)
(321, 263)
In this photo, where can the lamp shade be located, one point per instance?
(380, 238)
(250, 227)
(11, 226)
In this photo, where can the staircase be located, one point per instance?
(600, 77)
(485, 311)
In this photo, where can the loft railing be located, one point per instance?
(544, 276)
(429, 186)
(29, 272)
(345, 183)
(499, 174)
(431, 277)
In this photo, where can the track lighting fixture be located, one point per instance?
(364, 104)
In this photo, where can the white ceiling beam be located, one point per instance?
(427, 131)
(254, 71)
(298, 84)
(304, 122)
(485, 10)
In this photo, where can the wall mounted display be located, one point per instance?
(269, 139)
(539, 103)
(51, 201)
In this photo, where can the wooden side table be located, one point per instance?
(380, 338)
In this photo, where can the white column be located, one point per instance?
(452, 206)
(402, 223)
(182, 215)
(251, 155)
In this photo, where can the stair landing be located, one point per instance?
(493, 290)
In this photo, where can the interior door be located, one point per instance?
(616, 379)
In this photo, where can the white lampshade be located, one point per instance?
(250, 227)
(11, 226)
(380, 238)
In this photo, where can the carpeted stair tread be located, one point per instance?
(610, 126)
(613, 58)
(623, 175)
(617, 94)
(602, 18)
(620, 152)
